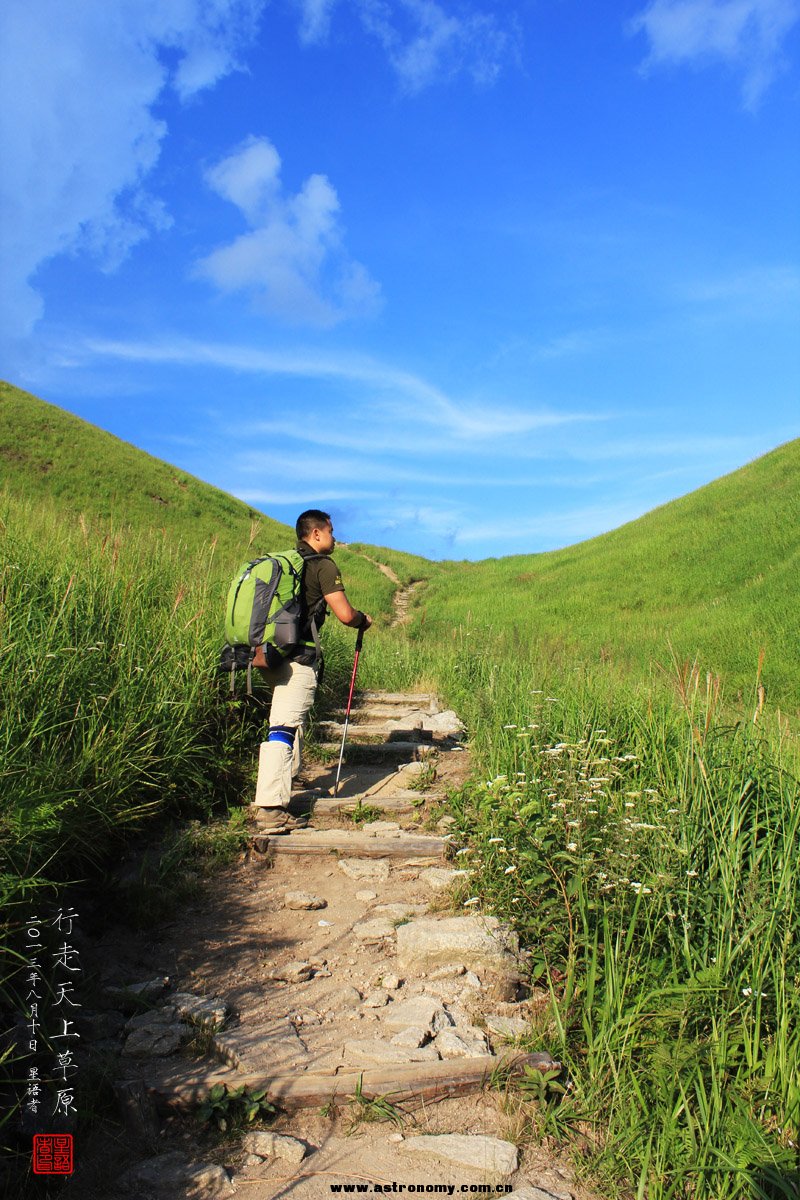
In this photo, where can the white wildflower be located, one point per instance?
(510, 870)
(572, 846)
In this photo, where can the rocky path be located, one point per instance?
(339, 970)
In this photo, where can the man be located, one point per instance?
(294, 683)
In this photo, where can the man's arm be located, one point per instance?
(341, 607)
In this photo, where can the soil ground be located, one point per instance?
(238, 935)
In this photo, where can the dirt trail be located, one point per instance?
(348, 970)
(401, 600)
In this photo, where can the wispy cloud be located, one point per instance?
(748, 35)
(425, 42)
(399, 392)
(561, 528)
(292, 260)
(755, 291)
(77, 153)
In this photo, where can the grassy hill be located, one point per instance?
(645, 851)
(51, 457)
(714, 575)
(48, 453)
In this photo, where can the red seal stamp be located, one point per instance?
(52, 1154)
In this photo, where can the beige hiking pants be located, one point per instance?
(293, 689)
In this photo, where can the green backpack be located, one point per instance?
(265, 617)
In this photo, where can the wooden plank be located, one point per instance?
(351, 845)
(418, 1081)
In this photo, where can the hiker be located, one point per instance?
(294, 682)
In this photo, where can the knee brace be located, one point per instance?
(282, 733)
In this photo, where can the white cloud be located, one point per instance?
(389, 389)
(78, 83)
(292, 259)
(315, 18)
(753, 291)
(423, 41)
(745, 34)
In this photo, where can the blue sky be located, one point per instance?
(479, 279)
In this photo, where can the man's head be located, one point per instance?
(314, 526)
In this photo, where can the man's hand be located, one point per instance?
(341, 607)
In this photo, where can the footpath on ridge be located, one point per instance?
(337, 969)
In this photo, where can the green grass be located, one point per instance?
(712, 576)
(643, 791)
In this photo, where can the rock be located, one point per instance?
(175, 1174)
(471, 981)
(293, 972)
(156, 1040)
(439, 879)
(134, 996)
(452, 1043)
(527, 1192)
(392, 982)
(374, 931)
(381, 829)
(303, 900)
(507, 1027)
(167, 1015)
(365, 896)
(412, 1037)
(341, 997)
(444, 722)
(266, 1144)
(364, 868)
(423, 1012)
(252, 1162)
(413, 768)
(445, 822)
(400, 912)
(448, 971)
(376, 1051)
(207, 1011)
(447, 990)
(488, 1154)
(482, 944)
(377, 999)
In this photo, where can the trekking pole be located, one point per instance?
(359, 641)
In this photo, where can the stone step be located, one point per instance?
(366, 752)
(185, 1088)
(392, 699)
(380, 712)
(333, 730)
(401, 802)
(352, 844)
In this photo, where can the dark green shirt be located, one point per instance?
(320, 577)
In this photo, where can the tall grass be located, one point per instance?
(113, 711)
(644, 843)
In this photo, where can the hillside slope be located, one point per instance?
(46, 452)
(51, 458)
(713, 574)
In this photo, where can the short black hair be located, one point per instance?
(311, 519)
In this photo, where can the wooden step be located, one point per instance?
(350, 844)
(183, 1089)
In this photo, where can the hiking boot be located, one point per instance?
(278, 820)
